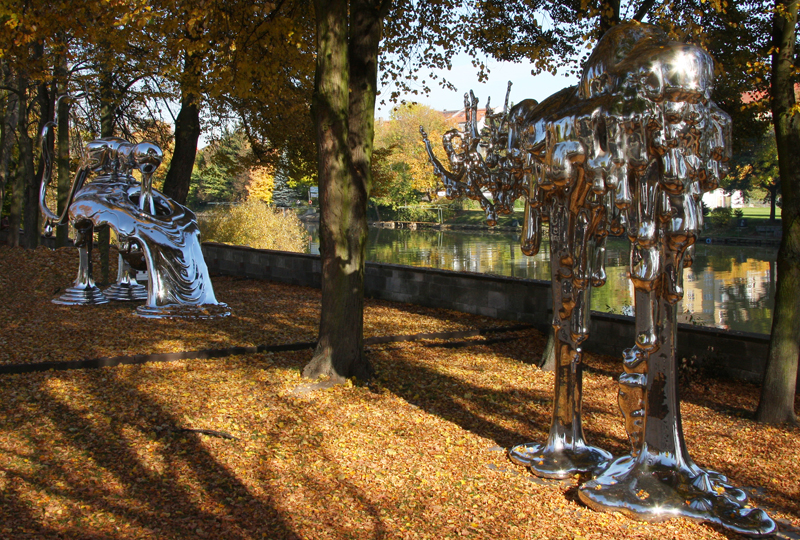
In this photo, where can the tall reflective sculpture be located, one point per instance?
(155, 233)
(628, 151)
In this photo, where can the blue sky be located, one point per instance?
(464, 77)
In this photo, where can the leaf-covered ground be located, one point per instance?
(233, 448)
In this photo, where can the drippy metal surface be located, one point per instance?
(628, 151)
(152, 229)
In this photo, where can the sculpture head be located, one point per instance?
(641, 59)
(146, 157)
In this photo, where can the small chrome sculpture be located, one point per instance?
(155, 233)
(628, 151)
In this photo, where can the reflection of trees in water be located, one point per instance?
(485, 252)
(742, 275)
(740, 309)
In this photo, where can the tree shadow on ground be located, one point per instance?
(508, 417)
(82, 472)
(514, 416)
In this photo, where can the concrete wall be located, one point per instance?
(737, 354)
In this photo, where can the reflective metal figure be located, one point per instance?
(155, 233)
(629, 151)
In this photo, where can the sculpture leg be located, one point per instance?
(566, 453)
(84, 291)
(659, 480)
(126, 288)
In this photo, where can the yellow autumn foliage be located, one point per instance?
(261, 184)
(254, 224)
(406, 153)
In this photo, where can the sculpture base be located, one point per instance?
(546, 461)
(178, 311)
(126, 292)
(81, 296)
(661, 491)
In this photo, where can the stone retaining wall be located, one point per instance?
(737, 354)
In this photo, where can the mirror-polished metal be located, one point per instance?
(628, 151)
(155, 233)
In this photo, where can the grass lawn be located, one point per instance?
(760, 212)
(240, 448)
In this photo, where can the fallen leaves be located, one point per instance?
(134, 452)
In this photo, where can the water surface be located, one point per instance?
(727, 286)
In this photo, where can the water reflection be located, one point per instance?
(727, 287)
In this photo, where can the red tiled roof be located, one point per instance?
(758, 95)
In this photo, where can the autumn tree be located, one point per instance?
(227, 170)
(756, 172)
(406, 157)
(348, 34)
(780, 378)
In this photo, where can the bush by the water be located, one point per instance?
(720, 218)
(254, 224)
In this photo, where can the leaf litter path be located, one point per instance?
(142, 451)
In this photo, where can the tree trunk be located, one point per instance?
(108, 102)
(8, 132)
(773, 200)
(62, 145)
(33, 214)
(187, 132)
(609, 16)
(22, 214)
(548, 360)
(780, 378)
(344, 108)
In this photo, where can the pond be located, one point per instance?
(728, 287)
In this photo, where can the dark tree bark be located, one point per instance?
(344, 109)
(187, 133)
(33, 216)
(609, 16)
(108, 109)
(62, 146)
(780, 378)
(773, 188)
(24, 172)
(548, 359)
(8, 132)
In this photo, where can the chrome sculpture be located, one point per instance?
(628, 151)
(154, 232)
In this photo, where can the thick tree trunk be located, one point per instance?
(187, 133)
(25, 176)
(780, 378)
(8, 133)
(344, 108)
(33, 216)
(62, 146)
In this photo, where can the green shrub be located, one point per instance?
(254, 224)
(417, 214)
(720, 218)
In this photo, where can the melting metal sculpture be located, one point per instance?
(155, 233)
(628, 151)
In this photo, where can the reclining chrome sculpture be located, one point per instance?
(155, 233)
(628, 151)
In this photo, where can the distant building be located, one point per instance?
(460, 116)
(719, 198)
